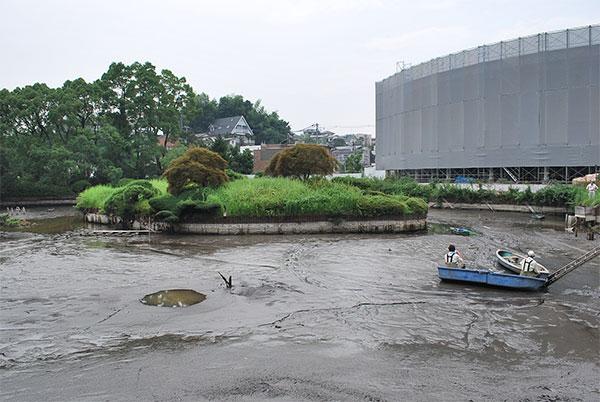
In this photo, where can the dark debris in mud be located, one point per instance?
(296, 388)
(364, 304)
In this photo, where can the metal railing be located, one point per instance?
(542, 42)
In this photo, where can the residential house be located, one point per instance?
(342, 153)
(315, 136)
(235, 130)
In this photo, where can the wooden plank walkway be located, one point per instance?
(119, 232)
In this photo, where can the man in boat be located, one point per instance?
(453, 258)
(529, 267)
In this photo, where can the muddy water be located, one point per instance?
(342, 317)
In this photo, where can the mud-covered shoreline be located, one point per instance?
(310, 317)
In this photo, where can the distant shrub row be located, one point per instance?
(552, 195)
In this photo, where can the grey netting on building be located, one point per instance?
(528, 102)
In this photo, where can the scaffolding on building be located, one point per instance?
(516, 174)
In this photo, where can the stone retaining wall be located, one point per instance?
(36, 202)
(373, 226)
(335, 226)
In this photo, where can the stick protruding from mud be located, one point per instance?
(228, 283)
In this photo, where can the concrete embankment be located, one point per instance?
(371, 226)
(36, 202)
(231, 226)
(501, 208)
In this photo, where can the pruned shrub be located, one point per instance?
(302, 161)
(167, 216)
(197, 166)
(130, 200)
(165, 202)
(378, 205)
(194, 208)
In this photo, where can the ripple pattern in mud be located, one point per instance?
(71, 297)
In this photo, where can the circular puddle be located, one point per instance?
(173, 298)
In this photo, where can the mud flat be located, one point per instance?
(310, 317)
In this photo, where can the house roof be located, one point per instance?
(225, 125)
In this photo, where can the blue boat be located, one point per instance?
(490, 278)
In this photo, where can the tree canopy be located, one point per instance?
(57, 141)
(198, 166)
(353, 163)
(302, 161)
(268, 127)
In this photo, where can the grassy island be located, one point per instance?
(259, 197)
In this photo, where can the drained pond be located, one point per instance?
(309, 317)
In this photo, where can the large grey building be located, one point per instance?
(526, 109)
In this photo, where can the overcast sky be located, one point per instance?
(312, 61)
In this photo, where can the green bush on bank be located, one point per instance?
(94, 198)
(131, 199)
(582, 198)
(8, 221)
(552, 195)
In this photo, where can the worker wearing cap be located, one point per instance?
(529, 266)
(591, 188)
(453, 258)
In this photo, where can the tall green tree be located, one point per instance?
(221, 146)
(268, 127)
(55, 141)
(241, 162)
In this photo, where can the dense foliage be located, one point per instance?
(130, 200)
(261, 197)
(59, 141)
(241, 162)
(553, 195)
(268, 127)
(353, 163)
(302, 161)
(9, 221)
(197, 166)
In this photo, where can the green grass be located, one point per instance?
(160, 184)
(94, 197)
(582, 198)
(8, 221)
(288, 197)
(261, 197)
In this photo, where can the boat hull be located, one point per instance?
(504, 259)
(491, 278)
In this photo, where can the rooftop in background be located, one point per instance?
(228, 125)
